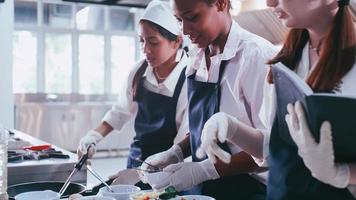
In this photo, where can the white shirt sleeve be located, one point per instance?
(267, 115)
(125, 107)
(252, 82)
(259, 97)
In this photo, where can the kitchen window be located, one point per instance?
(58, 62)
(24, 60)
(91, 64)
(69, 47)
(121, 47)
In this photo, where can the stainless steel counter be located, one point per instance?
(44, 170)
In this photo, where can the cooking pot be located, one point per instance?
(73, 188)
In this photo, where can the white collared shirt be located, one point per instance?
(347, 87)
(125, 109)
(243, 79)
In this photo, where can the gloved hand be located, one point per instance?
(222, 127)
(92, 137)
(163, 159)
(126, 177)
(317, 157)
(185, 175)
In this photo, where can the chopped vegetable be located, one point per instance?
(169, 193)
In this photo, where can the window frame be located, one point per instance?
(41, 29)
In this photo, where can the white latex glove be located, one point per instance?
(163, 159)
(126, 177)
(222, 127)
(92, 137)
(317, 157)
(185, 175)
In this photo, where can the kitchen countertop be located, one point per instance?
(51, 169)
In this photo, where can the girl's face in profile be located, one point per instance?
(302, 13)
(200, 21)
(156, 48)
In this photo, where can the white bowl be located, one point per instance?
(121, 192)
(38, 195)
(194, 197)
(95, 198)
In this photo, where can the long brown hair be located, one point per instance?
(337, 52)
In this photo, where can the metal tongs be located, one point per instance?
(90, 169)
(77, 167)
(154, 167)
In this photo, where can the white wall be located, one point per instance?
(6, 96)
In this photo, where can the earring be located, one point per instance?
(179, 54)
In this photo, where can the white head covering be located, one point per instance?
(161, 13)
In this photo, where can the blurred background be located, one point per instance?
(70, 58)
(62, 63)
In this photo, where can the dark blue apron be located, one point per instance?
(289, 179)
(155, 123)
(204, 101)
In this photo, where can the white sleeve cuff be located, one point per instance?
(265, 149)
(116, 119)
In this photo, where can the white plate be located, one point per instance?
(194, 197)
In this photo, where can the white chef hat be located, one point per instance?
(161, 13)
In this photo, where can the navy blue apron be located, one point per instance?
(155, 123)
(289, 178)
(204, 101)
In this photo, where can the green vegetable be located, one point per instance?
(169, 193)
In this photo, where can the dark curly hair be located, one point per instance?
(211, 2)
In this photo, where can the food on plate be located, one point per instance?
(144, 195)
(168, 193)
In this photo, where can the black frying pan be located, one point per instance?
(73, 188)
(46, 185)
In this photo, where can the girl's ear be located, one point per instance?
(222, 4)
(178, 42)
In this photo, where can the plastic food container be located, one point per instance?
(95, 198)
(121, 192)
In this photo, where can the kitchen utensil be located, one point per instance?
(38, 147)
(90, 169)
(149, 164)
(121, 192)
(95, 198)
(73, 188)
(77, 167)
(146, 170)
